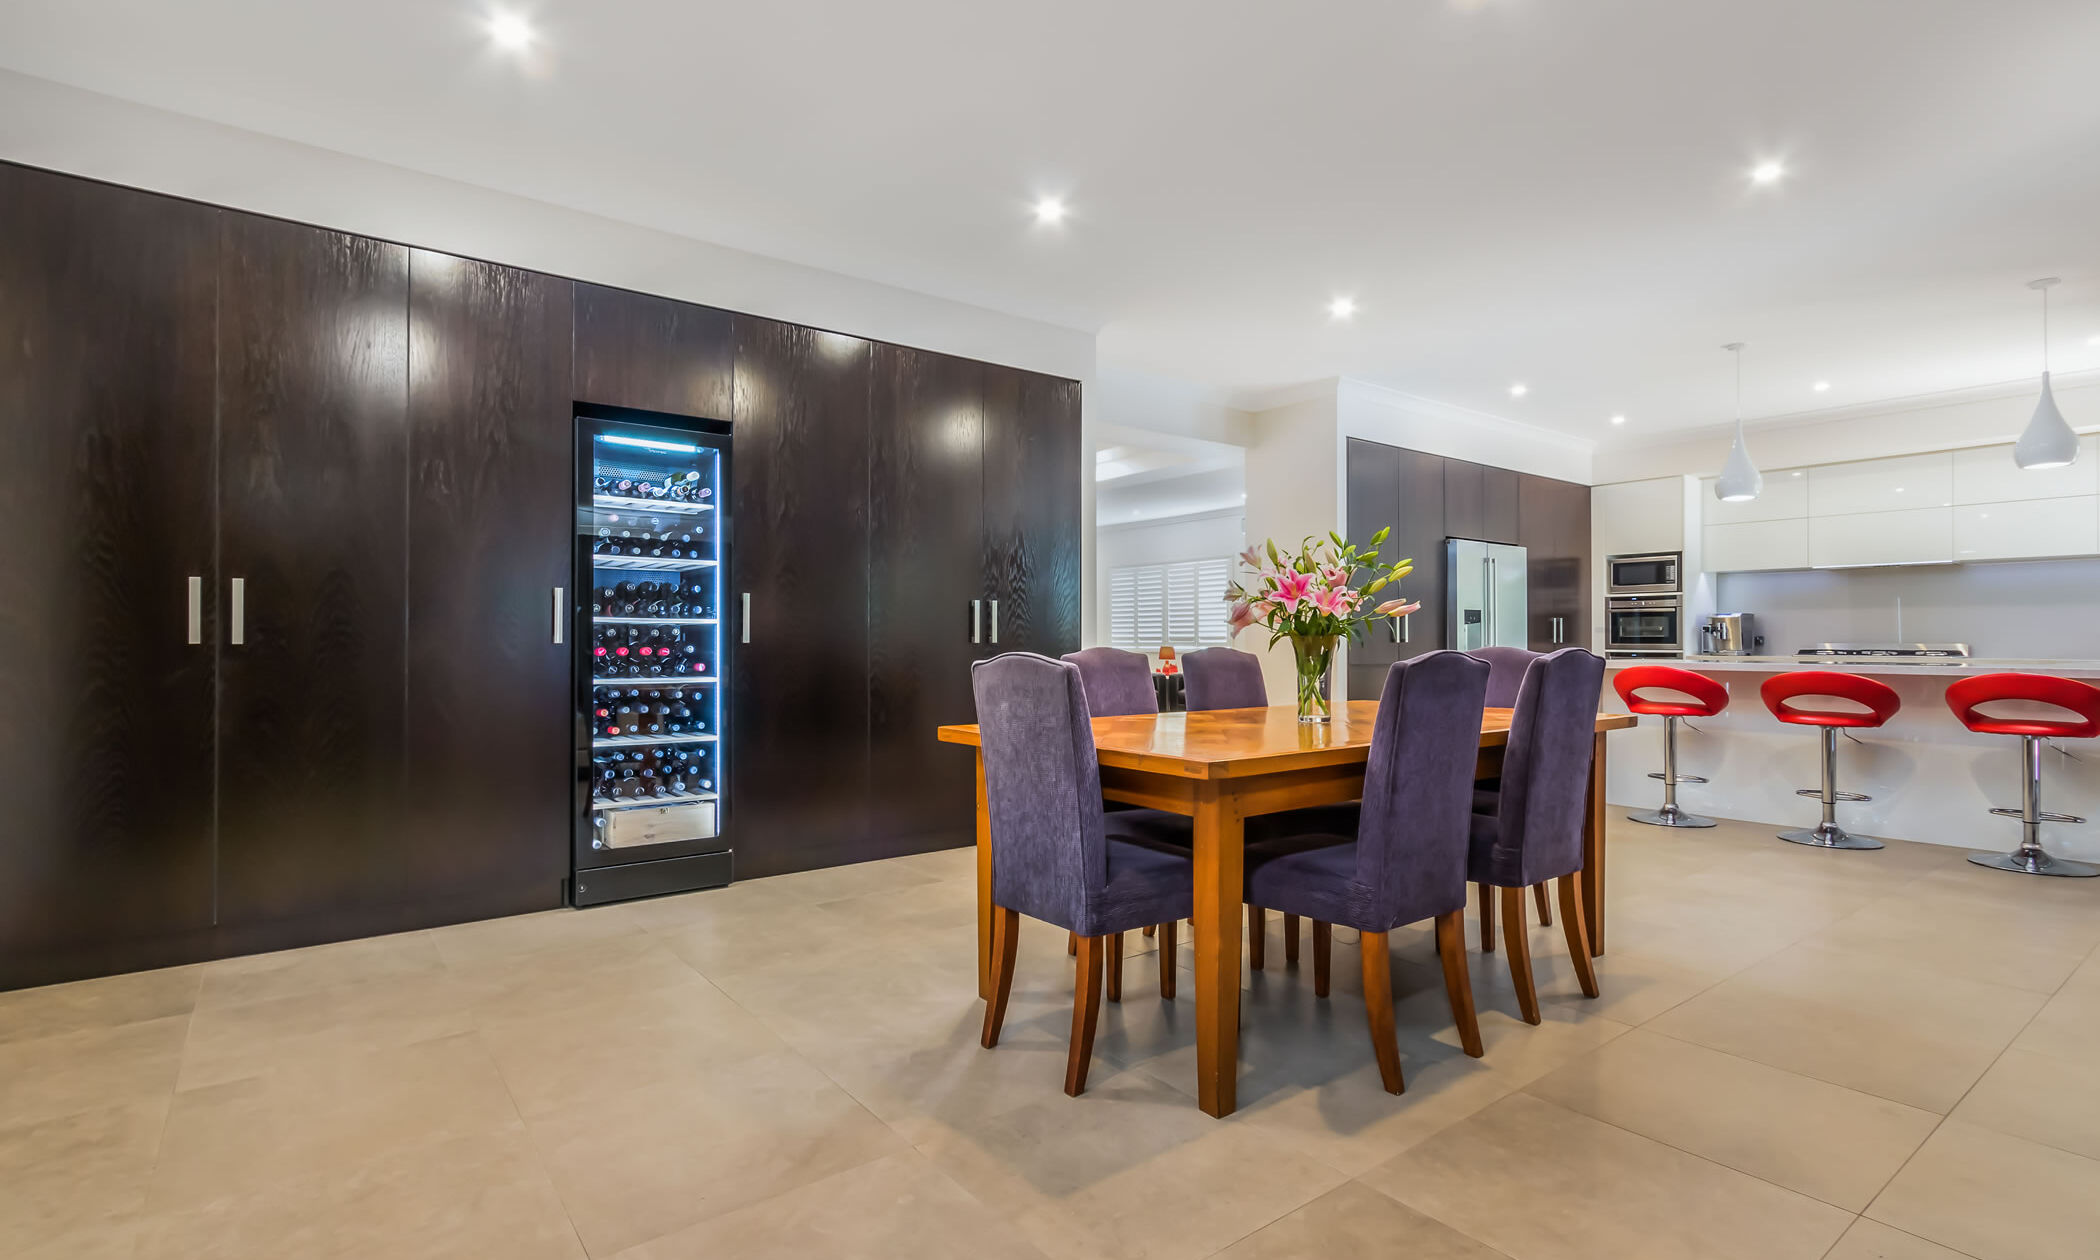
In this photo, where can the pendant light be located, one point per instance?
(1739, 481)
(2048, 441)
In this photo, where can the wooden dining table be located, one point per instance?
(1222, 767)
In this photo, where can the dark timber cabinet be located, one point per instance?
(377, 443)
(1553, 524)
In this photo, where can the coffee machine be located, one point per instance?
(1730, 634)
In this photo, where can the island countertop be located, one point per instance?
(1910, 667)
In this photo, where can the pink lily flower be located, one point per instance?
(1335, 576)
(1241, 616)
(1335, 603)
(1397, 608)
(1252, 558)
(1291, 588)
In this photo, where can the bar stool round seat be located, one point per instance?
(1878, 703)
(1697, 696)
(1966, 698)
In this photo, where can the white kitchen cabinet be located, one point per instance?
(1987, 474)
(1753, 545)
(1917, 536)
(1631, 517)
(1785, 496)
(1904, 484)
(2030, 528)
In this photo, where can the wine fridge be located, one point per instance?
(652, 662)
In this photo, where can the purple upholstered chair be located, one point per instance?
(1223, 678)
(1506, 666)
(1533, 832)
(1056, 855)
(1407, 860)
(1118, 683)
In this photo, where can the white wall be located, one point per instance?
(2029, 609)
(1208, 536)
(1420, 424)
(1295, 483)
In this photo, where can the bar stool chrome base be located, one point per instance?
(2035, 862)
(1670, 816)
(1830, 836)
(2030, 858)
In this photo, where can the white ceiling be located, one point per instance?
(1535, 190)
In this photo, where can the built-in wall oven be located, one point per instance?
(1644, 625)
(1656, 573)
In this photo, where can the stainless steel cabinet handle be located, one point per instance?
(238, 635)
(557, 614)
(196, 610)
(1407, 628)
(747, 617)
(995, 621)
(976, 621)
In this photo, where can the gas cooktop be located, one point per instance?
(1911, 651)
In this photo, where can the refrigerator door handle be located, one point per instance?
(196, 610)
(995, 621)
(747, 617)
(238, 635)
(557, 615)
(976, 621)
(1407, 628)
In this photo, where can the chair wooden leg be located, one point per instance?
(1538, 894)
(1378, 1006)
(1290, 940)
(1257, 938)
(1086, 1013)
(1115, 966)
(1006, 940)
(1518, 938)
(1323, 955)
(1458, 981)
(1487, 919)
(1166, 959)
(1578, 933)
(1151, 928)
(1072, 944)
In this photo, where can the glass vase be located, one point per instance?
(1315, 656)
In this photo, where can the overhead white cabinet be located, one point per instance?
(1918, 536)
(1785, 497)
(1755, 545)
(1632, 517)
(1987, 474)
(1882, 485)
(2030, 529)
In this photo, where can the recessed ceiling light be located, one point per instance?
(1519, 389)
(1822, 387)
(1618, 419)
(1767, 173)
(1342, 308)
(511, 32)
(1049, 211)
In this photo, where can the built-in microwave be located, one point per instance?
(1644, 625)
(1653, 574)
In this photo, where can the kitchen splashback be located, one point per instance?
(2047, 609)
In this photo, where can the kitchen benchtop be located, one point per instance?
(1925, 667)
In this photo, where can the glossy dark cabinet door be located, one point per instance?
(1031, 508)
(106, 318)
(635, 350)
(1554, 527)
(489, 530)
(1373, 472)
(313, 460)
(925, 567)
(800, 756)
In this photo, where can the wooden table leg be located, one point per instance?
(1220, 858)
(1593, 851)
(984, 886)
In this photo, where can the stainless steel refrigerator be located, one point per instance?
(1489, 602)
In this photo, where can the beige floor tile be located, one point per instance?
(1822, 1140)
(113, 1239)
(1353, 1220)
(2068, 1026)
(560, 978)
(74, 1175)
(622, 1041)
(231, 1042)
(332, 1116)
(2039, 1098)
(1996, 1197)
(92, 1068)
(472, 1196)
(292, 972)
(1862, 1022)
(637, 1165)
(1589, 1189)
(29, 1014)
(1871, 1240)
(1949, 930)
(520, 935)
(898, 1207)
(834, 883)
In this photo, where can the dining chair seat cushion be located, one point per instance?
(1146, 884)
(1153, 828)
(1313, 876)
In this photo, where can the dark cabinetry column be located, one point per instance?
(1389, 485)
(106, 325)
(1031, 509)
(1554, 527)
(800, 756)
(489, 438)
(313, 387)
(652, 353)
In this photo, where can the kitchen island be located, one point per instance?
(1932, 779)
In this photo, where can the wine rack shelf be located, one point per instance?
(654, 621)
(645, 741)
(651, 564)
(667, 507)
(631, 802)
(688, 680)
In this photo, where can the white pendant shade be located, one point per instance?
(1739, 480)
(2048, 441)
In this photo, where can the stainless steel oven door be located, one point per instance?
(1648, 626)
(1656, 574)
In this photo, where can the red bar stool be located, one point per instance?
(1880, 701)
(2083, 699)
(1699, 696)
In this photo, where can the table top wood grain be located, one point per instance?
(1237, 743)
